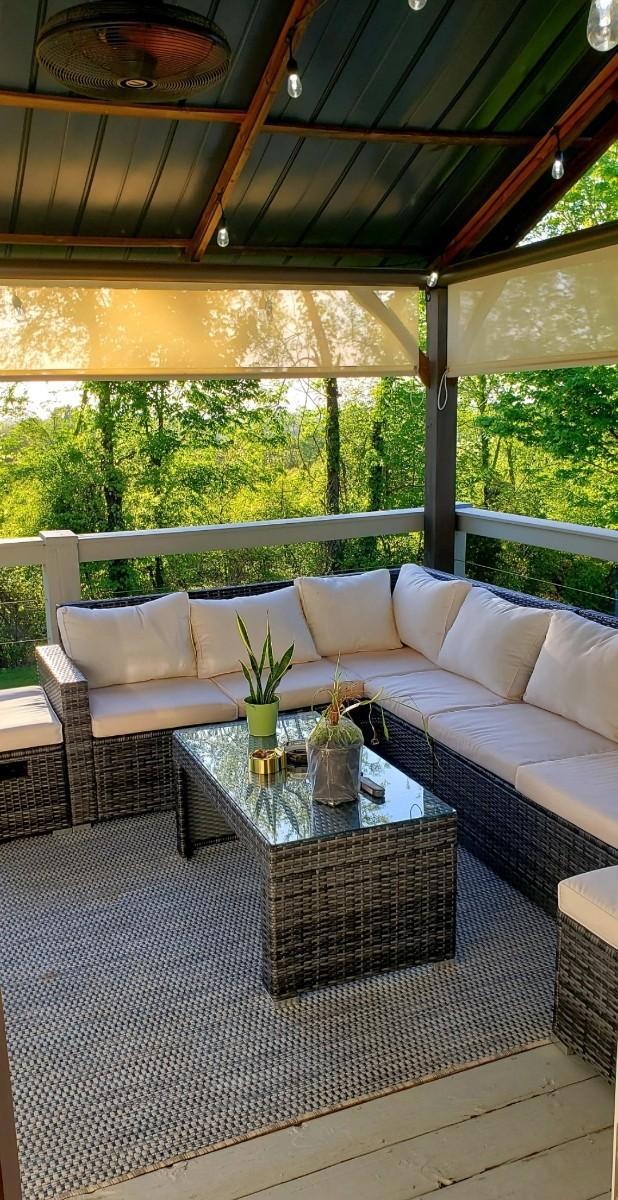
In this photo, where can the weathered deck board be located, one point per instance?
(440, 1135)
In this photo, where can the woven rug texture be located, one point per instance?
(139, 1029)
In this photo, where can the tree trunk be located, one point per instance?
(334, 549)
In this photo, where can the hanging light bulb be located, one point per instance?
(603, 24)
(432, 279)
(417, 5)
(295, 87)
(223, 237)
(557, 169)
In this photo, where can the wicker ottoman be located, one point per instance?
(33, 790)
(586, 998)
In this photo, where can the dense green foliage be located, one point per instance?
(143, 455)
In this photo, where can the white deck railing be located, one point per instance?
(60, 553)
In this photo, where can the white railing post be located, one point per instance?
(61, 579)
(460, 552)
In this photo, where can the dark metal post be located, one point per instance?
(440, 439)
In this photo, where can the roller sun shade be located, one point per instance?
(124, 332)
(556, 314)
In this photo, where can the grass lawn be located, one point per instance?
(17, 676)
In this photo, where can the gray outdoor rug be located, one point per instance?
(139, 1030)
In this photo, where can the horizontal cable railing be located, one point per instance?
(62, 553)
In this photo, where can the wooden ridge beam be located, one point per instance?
(571, 124)
(114, 108)
(267, 88)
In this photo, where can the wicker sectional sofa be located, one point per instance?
(496, 759)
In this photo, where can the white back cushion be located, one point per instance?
(425, 608)
(217, 640)
(577, 673)
(349, 613)
(130, 644)
(495, 642)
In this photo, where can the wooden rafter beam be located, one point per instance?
(581, 157)
(112, 243)
(406, 136)
(267, 88)
(571, 124)
(114, 108)
(46, 102)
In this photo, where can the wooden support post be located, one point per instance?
(440, 439)
(61, 579)
(10, 1187)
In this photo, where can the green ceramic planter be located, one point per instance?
(262, 718)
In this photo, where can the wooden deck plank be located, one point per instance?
(428, 1163)
(276, 1158)
(573, 1171)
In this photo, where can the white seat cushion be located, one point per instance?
(495, 642)
(132, 643)
(576, 673)
(425, 608)
(217, 640)
(349, 613)
(592, 901)
(158, 704)
(368, 664)
(27, 720)
(583, 790)
(420, 694)
(503, 738)
(304, 686)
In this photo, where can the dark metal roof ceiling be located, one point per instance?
(511, 66)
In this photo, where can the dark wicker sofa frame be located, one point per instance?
(524, 843)
(586, 995)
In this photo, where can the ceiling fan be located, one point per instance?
(152, 51)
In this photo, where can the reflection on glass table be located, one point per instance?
(282, 810)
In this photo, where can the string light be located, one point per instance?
(223, 237)
(295, 87)
(417, 5)
(558, 163)
(603, 24)
(432, 279)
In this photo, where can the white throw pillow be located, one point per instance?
(130, 644)
(425, 608)
(495, 642)
(576, 674)
(217, 640)
(349, 613)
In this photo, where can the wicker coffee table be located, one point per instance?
(345, 891)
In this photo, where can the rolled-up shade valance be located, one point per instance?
(555, 314)
(124, 332)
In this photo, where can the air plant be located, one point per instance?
(334, 728)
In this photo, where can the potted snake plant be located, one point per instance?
(263, 676)
(334, 747)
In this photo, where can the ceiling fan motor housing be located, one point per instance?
(139, 52)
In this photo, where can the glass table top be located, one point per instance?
(282, 809)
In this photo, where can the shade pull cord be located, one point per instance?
(443, 392)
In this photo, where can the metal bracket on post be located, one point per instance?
(61, 578)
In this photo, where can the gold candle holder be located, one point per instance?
(267, 763)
